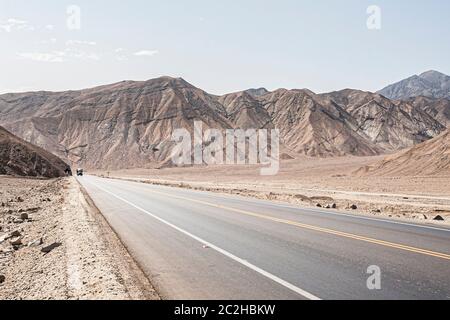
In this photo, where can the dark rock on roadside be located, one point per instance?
(24, 216)
(51, 247)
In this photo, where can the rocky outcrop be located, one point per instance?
(390, 125)
(21, 158)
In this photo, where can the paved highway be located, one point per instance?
(201, 245)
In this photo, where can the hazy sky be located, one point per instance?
(220, 46)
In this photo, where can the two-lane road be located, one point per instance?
(201, 245)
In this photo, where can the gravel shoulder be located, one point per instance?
(54, 244)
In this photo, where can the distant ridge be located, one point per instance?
(129, 124)
(257, 92)
(429, 158)
(430, 84)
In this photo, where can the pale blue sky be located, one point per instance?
(221, 46)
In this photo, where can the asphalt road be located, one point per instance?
(201, 245)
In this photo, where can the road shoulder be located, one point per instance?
(63, 249)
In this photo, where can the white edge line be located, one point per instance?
(298, 208)
(222, 251)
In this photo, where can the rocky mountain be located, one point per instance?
(245, 111)
(439, 109)
(18, 157)
(389, 125)
(429, 158)
(257, 92)
(129, 124)
(313, 127)
(430, 84)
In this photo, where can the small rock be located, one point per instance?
(439, 218)
(24, 216)
(36, 243)
(2, 278)
(3, 238)
(51, 247)
(318, 205)
(334, 206)
(16, 242)
(377, 211)
(14, 234)
(353, 207)
(19, 199)
(6, 251)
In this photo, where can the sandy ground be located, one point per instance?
(316, 182)
(55, 245)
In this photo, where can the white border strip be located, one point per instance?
(266, 274)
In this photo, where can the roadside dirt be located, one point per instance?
(55, 245)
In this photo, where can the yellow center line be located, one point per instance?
(315, 228)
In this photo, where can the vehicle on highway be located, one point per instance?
(68, 171)
(80, 172)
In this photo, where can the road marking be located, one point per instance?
(372, 219)
(299, 208)
(365, 218)
(266, 274)
(315, 228)
(274, 203)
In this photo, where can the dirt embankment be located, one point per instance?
(54, 245)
